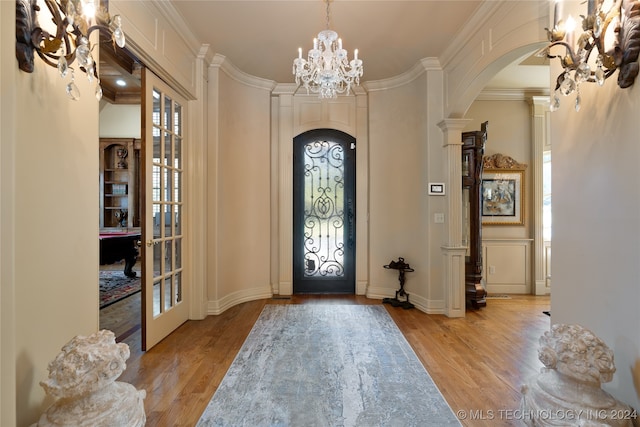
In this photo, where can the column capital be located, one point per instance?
(539, 105)
(448, 125)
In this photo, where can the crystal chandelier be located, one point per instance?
(74, 22)
(610, 41)
(327, 70)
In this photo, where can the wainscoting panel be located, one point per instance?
(507, 265)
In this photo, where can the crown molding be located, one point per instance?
(510, 94)
(285, 89)
(221, 62)
(426, 64)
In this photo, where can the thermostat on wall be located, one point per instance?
(436, 189)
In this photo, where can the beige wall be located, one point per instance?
(55, 256)
(8, 71)
(239, 177)
(120, 121)
(596, 232)
(398, 201)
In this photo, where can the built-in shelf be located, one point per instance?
(119, 183)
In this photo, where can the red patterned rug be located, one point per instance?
(115, 286)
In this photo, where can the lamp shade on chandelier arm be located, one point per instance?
(327, 70)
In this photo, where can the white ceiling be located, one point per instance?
(261, 37)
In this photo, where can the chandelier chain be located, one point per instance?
(328, 15)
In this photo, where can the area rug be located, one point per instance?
(327, 365)
(115, 286)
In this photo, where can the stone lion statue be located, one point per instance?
(82, 379)
(567, 390)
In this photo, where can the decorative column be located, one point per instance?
(539, 126)
(197, 190)
(284, 209)
(452, 250)
(362, 190)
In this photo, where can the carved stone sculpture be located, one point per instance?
(82, 379)
(567, 390)
(500, 161)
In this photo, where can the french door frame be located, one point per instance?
(167, 289)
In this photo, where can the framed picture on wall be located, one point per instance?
(502, 197)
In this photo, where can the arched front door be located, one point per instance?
(324, 239)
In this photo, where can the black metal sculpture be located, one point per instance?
(402, 268)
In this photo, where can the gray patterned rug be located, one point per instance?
(327, 365)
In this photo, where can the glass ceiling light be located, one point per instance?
(610, 41)
(327, 70)
(74, 21)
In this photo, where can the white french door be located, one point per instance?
(165, 298)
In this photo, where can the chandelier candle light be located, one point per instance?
(610, 31)
(74, 22)
(327, 70)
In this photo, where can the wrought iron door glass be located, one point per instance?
(324, 209)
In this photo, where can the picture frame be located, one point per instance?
(502, 196)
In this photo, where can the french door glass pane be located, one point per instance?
(166, 123)
(167, 149)
(176, 186)
(167, 218)
(178, 220)
(157, 260)
(168, 295)
(167, 185)
(168, 257)
(178, 257)
(178, 286)
(155, 114)
(178, 153)
(177, 122)
(155, 176)
(156, 298)
(157, 221)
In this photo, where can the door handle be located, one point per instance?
(151, 243)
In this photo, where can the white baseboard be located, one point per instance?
(235, 298)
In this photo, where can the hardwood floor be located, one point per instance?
(478, 362)
(122, 317)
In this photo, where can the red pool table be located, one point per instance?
(120, 245)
